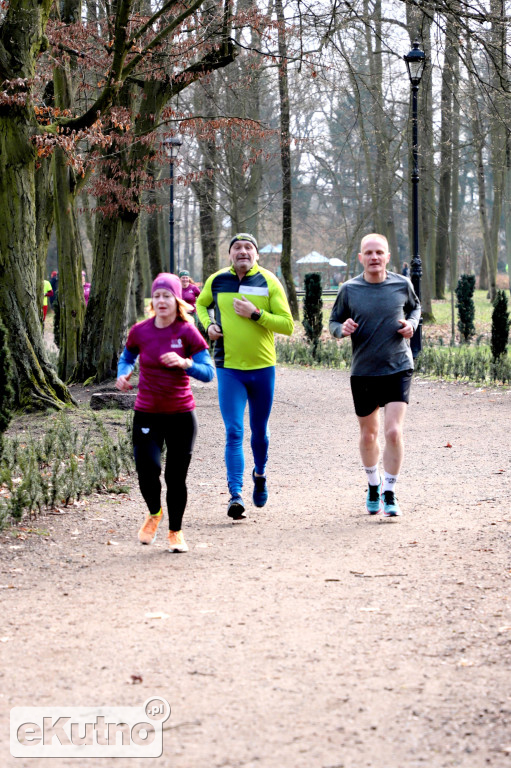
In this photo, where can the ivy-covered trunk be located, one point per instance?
(21, 36)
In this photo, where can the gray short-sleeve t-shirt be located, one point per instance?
(378, 348)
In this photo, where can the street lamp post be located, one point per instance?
(415, 61)
(172, 144)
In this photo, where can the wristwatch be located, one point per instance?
(256, 315)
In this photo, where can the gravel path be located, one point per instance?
(308, 636)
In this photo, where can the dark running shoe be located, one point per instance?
(390, 505)
(373, 500)
(236, 508)
(260, 495)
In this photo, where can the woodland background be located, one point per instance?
(295, 122)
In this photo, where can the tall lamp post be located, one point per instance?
(415, 61)
(172, 144)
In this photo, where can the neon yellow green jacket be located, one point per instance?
(246, 344)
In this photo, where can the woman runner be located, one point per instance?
(171, 350)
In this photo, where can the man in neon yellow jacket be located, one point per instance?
(242, 307)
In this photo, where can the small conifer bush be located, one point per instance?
(465, 306)
(499, 326)
(313, 310)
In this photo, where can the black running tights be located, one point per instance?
(150, 432)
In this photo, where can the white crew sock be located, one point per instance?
(389, 482)
(373, 475)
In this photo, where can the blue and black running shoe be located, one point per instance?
(390, 505)
(260, 495)
(373, 500)
(236, 508)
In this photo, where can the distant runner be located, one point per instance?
(190, 290)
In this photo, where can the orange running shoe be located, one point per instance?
(177, 542)
(147, 533)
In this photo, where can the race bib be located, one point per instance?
(248, 290)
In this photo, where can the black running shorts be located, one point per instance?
(371, 392)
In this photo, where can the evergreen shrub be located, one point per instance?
(465, 306)
(313, 310)
(499, 326)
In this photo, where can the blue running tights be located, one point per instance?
(235, 387)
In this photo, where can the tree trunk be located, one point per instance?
(107, 310)
(36, 383)
(455, 204)
(205, 191)
(154, 222)
(478, 137)
(205, 188)
(498, 117)
(44, 217)
(285, 156)
(507, 206)
(384, 213)
(69, 244)
(444, 198)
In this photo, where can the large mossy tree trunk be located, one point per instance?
(21, 38)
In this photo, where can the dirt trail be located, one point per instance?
(309, 636)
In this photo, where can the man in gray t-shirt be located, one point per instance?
(380, 311)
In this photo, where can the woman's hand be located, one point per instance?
(173, 360)
(123, 382)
